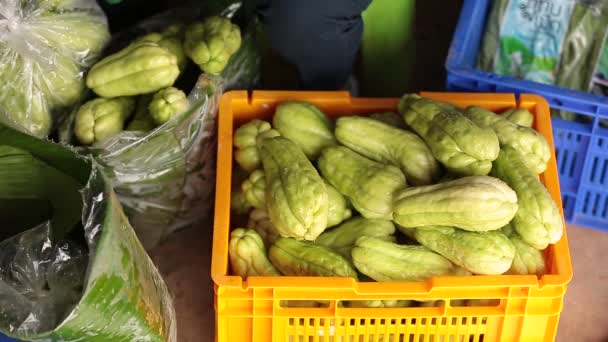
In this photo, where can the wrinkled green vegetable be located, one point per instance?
(304, 258)
(296, 196)
(475, 203)
(538, 220)
(387, 261)
(140, 68)
(519, 116)
(532, 146)
(389, 118)
(239, 203)
(254, 189)
(306, 125)
(338, 207)
(384, 143)
(167, 103)
(368, 184)
(170, 39)
(343, 237)
(479, 252)
(246, 140)
(101, 118)
(248, 254)
(211, 43)
(460, 144)
(260, 222)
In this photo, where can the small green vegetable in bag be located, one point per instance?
(519, 116)
(254, 189)
(532, 146)
(260, 222)
(368, 184)
(460, 144)
(246, 140)
(296, 196)
(139, 68)
(167, 103)
(538, 220)
(342, 238)
(306, 125)
(141, 119)
(387, 261)
(386, 144)
(474, 203)
(304, 258)
(102, 118)
(479, 252)
(211, 43)
(248, 254)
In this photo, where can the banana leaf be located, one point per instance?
(124, 297)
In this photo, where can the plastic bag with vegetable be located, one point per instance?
(45, 48)
(158, 147)
(71, 266)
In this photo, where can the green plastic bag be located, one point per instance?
(115, 293)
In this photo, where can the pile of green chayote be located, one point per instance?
(45, 47)
(136, 84)
(429, 191)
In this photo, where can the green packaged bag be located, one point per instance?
(71, 266)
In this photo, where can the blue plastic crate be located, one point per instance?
(581, 148)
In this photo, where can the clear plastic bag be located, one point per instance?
(45, 47)
(93, 281)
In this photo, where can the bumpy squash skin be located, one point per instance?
(296, 196)
(519, 116)
(489, 253)
(389, 118)
(254, 189)
(386, 261)
(248, 254)
(531, 145)
(260, 222)
(342, 238)
(304, 258)
(386, 144)
(246, 140)
(474, 203)
(538, 220)
(464, 147)
(528, 260)
(305, 125)
(338, 207)
(368, 184)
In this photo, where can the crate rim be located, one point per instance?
(224, 160)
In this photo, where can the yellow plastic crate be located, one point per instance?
(528, 307)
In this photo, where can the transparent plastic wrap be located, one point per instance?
(165, 177)
(93, 282)
(45, 48)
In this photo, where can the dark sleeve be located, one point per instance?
(320, 38)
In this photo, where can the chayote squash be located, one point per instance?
(167, 103)
(101, 118)
(296, 196)
(389, 118)
(306, 125)
(342, 238)
(338, 208)
(140, 68)
(520, 116)
(479, 252)
(141, 120)
(239, 204)
(527, 260)
(260, 222)
(475, 203)
(254, 189)
(386, 144)
(170, 39)
(387, 261)
(368, 184)
(460, 144)
(246, 142)
(538, 220)
(304, 258)
(248, 254)
(532, 146)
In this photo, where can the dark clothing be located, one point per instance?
(320, 38)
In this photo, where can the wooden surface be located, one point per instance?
(185, 260)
